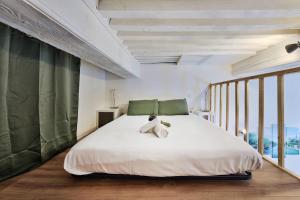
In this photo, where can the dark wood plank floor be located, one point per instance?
(50, 181)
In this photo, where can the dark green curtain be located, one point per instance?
(39, 87)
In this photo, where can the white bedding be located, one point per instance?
(194, 147)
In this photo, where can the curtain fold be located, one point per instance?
(39, 87)
(5, 142)
(58, 94)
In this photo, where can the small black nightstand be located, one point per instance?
(105, 116)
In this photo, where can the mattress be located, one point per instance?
(194, 147)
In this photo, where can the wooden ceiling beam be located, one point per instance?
(194, 47)
(195, 9)
(264, 42)
(201, 39)
(206, 28)
(208, 34)
(176, 5)
(203, 22)
(184, 52)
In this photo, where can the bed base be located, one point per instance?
(244, 176)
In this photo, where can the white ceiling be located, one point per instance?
(193, 32)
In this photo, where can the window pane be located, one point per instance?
(241, 105)
(217, 112)
(292, 122)
(253, 113)
(231, 128)
(270, 126)
(224, 106)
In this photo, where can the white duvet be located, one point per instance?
(194, 147)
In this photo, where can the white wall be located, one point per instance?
(91, 97)
(164, 81)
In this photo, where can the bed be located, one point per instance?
(194, 147)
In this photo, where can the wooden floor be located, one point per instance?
(50, 181)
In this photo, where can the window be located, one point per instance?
(253, 113)
(292, 122)
(270, 118)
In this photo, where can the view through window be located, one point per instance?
(292, 122)
(270, 125)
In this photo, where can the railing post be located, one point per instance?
(215, 103)
(220, 107)
(236, 108)
(261, 117)
(227, 106)
(246, 110)
(280, 113)
(209, 96)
